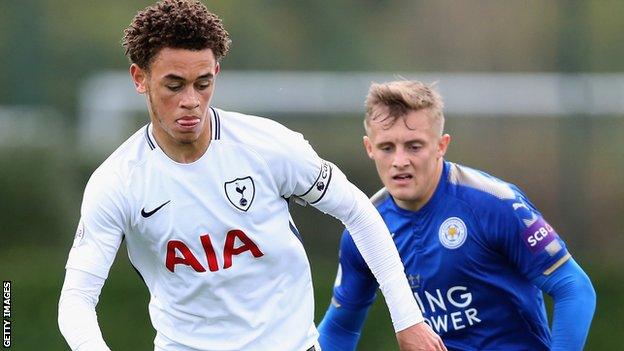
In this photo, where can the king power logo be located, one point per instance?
(448, 310)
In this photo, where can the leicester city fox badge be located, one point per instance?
(240, 192)
(452, 233)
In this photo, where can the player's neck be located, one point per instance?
(187, 153)
(183, 152)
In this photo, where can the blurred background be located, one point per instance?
(534, 92)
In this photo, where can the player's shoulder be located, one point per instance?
(480, 190)
(381, 200)
(252, 130)
(121, 163)
(266, 139)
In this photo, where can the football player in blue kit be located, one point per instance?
(477, 253)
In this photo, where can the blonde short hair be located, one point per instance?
(387, 102)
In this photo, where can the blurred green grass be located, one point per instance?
(37, 274)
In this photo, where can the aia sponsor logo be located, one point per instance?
(236, 243)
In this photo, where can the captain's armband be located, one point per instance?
(319, 188)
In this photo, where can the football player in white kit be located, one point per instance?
(200, 196)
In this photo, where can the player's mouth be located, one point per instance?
(188, 122)
(402, 178)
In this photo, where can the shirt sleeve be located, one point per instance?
(528, 241)
(77, 318)
(574, 302)
(101, 225)
(355, 285)
(297, 169)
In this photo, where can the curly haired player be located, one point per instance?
(200, 196)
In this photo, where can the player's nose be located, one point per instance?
(400, 159)
(190, 99)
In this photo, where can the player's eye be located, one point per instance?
(174, 87)
(203, 85)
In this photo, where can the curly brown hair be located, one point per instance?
(180, 24)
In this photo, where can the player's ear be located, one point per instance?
(139, 77)
(368, 146)
(217, 69)
(443, 144)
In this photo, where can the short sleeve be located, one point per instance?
(355, 285)
(529, 242)
(296, 167)
(101, 227)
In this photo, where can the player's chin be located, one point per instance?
(187, 138)
(403, 193)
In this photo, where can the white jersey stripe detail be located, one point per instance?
(150, 143)
(216, 124)
(465, 176)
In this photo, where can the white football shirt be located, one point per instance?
(212, 239)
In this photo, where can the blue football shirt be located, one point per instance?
(469, 254)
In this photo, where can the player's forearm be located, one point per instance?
(77, 319)
(573, 306)
(373, 240)
(379, 252)
(574, 301)
(340, 328)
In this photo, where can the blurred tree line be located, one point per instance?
(49, 46)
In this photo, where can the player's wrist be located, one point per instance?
(404, 310)
(408, 322)
(93, 345)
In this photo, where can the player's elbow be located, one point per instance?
(580, 291)
(586, 292)
(71, 309)
(63, 316)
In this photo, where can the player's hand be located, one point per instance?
(419, 337)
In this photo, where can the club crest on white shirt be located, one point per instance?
(453, 233)
(240, 192)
